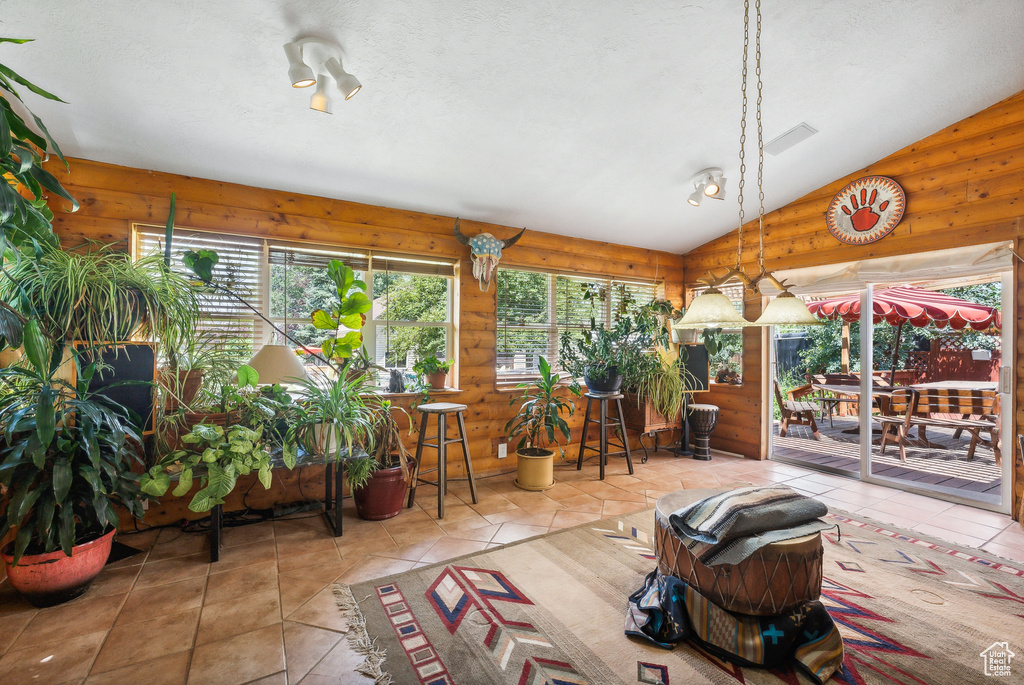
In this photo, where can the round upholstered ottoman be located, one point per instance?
(771, 581)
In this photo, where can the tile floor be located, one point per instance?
(265, 612)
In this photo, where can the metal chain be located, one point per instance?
(760, 141)
(743, 131)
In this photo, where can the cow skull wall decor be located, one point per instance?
(485, 253)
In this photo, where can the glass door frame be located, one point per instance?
(1007, 383)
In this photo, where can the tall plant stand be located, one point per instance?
(683, 448)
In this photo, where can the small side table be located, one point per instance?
(602, 400)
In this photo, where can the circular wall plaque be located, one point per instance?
(866, 210)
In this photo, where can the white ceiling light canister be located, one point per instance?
(306, 53)
(320, 101)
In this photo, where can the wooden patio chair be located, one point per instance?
(794, 412)
(896, 419)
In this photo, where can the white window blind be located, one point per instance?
(534, 309)
(240, 268)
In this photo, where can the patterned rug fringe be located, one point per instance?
(359, 639)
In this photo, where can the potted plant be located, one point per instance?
(67, 456)
(655, 389)
(383, 493)
(433, 371)
(537, 420)
(604, 356)
(214, 457)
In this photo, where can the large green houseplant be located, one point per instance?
(382, 494)
(537, 423)
(67, 457)
(605, 356)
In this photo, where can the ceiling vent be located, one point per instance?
(797, 134)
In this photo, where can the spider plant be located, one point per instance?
(100, 295)
(662, 386)
(336, 417)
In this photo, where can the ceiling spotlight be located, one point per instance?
(712, 182)
(301, 75)
(319, 101)
(348, 84)
(696, 197)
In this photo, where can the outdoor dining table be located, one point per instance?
(882, 392)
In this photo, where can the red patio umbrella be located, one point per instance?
(907, 304)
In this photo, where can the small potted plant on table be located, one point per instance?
(538, 419)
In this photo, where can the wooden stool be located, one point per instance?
(602, 448)
(442, 410)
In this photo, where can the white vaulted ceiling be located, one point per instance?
(585, 118)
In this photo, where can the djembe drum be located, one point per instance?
(703, 419)
(769, 582)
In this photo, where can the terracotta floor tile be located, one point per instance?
(953, 536)
(482, 534)
(507, 515)
(174, 542)
(166, 670)
(1011, 537)
(305, 646)
(568, 519)
(146, 640)
(583, 503)
(985, 518)
(921, 503)
(411, 552)
(543, 518)
(560, 491)
(338, 668)
(299, 561)
(413, 537)
(66, 660)
(114, 581)
(325, 573)
(244, 555)
(361, 548)
(449, 548)
(238, 659)
(279, 678)
(321, 610)
(807, 485)
(853, 500)
(11, 627)
(241, 582)
(173, 570)
(909, 513)
(451, 527)
(171, 598)
(492, 505)
(952, 522)
(1013, 554)
(373, 567)
(617, 508)
(297, 591)
(225, 619)
(245, 535)
(49, 626)
(298, 545)
(453, 514)
(511, 532)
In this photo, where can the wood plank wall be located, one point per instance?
(114, 197)
(963, 185)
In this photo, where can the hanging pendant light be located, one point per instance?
(712, 309)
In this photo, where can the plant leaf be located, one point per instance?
(247, 376)
(184, 483)
(323, 321)
(61, 479)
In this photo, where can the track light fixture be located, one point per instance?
(320, 53)
(707, 183)
(696, 196)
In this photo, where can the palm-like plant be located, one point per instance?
(540, 413)
(66, 455)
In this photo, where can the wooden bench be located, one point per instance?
(795, 412)
(943, 408)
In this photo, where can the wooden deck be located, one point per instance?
(943, 466)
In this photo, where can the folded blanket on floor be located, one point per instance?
(667, 610)
(729, 527)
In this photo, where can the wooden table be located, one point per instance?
(882, 392)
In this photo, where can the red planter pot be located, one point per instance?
(436, 380)
(55, 578)
(383, 495)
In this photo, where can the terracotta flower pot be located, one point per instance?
(383, 495)
(55, 578)
(437, 379)
(535, 469)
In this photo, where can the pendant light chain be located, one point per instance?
(743, 132)
(760, 140)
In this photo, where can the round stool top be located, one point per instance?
(604, 395)
(442, 408)
(674, 501)
(703, 407)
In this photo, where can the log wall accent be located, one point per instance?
(964, 186)
(114, 197)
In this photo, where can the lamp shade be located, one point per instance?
(278, 364)
(348, 84)
(319, 101)
(712, 310)
(300, 75)
(787, 309)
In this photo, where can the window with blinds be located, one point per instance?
(234, 325)
(535, 308)
(286, 282)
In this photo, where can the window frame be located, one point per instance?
(553, 327)
(261, 331)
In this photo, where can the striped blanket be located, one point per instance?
(667, 610)
(729, 527)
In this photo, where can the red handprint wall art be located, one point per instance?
(866, 210)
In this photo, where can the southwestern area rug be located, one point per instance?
(552, 609)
